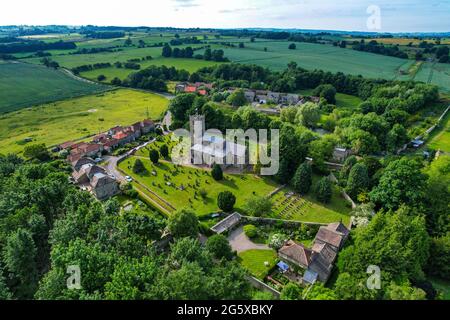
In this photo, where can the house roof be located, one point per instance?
(329, 236)
(296, 252)
(190, 89)
(326, 251)
(66, 145)
(202, 92)
(339, 227)
(120, 135)
(100, 179)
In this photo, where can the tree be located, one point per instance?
(358, 180)
(324, 190)
(166, 51)
(116, 82)
(19, 256)
(219, 247)
(404, 292)
(396, 242)
(226, 201)
(180, 105)
(154, 156)
(326, 91)
(402, 182)
(292, 46)
(183, 223)
(164, 151)
(347, 167)
(217, 172)
(101, 77)
(237, 98)
(308, 115)
(207, 55)
(139, 167)
(36, 151)
(291, 291)
(396, 138)
(257, 206)
(439, 262)
(302, 179)
(288, 114)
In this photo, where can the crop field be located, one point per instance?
(316, 56)
(190, 65)
(23, 85)
(165, 180)
(72, 119)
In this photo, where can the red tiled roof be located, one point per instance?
(111, 142)
(190, 89)
(120, 135)
(66, 145)
(203, 92)
(296, 252)
(90, 147)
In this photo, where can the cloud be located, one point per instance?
(186, 3)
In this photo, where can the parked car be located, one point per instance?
(129, 179)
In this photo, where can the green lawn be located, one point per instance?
(76, 118)
(440, 139)
(242, 186)
(23, 85)
(253, 261)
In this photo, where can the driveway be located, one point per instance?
(240, 242)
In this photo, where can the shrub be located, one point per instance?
(138, 167)
(183, 223)
(154, 156)
(250, 231)
(217, 172)
(257, 206)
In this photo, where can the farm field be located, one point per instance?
(23, 85)
(77, 118)
(253, 261)
(190, 65)
(435, 73)
(242, 186)
(344, 101)
(316, 56)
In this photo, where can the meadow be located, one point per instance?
(77, 118)
(23, 85)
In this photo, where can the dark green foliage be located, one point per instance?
(37, 151)
(164, 151)
(302, 179)
(219, 247)
(217, 172)
(358, 180)
(154, 156)
(226, 201)
(439, 262)
(402, 182)
(326, 91)
(324, 190)
(183, 223)
(139, 167)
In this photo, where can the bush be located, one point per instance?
(164, 151)
(101, 77)
(154, 156)
(250, 231)
(277, 240)
(257, 206)
(226, 201)
(292, 46)
(217, 172)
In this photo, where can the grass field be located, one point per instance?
(441, 139)
(76, 118)
(242, 186)
(190, 65)
(254, 261)
(23, 85)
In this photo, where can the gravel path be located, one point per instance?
(240, 242)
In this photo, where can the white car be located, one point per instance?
(129, 179)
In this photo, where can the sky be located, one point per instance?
(349, 15)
